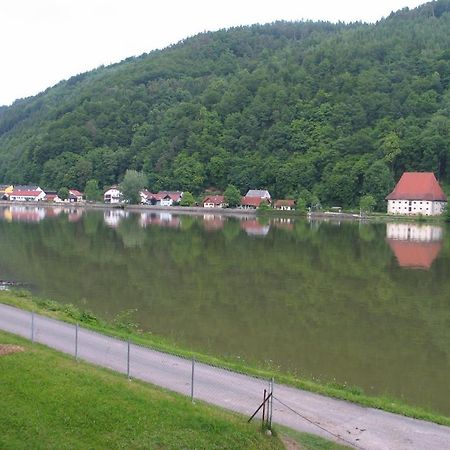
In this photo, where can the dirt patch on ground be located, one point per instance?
(7, 349)
(290, 444)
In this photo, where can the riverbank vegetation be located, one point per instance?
(124, 327)
(338, 111)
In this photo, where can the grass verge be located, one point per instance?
(306, 441)
(124, 328)
(50, 401)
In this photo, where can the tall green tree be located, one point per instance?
(63, 193)
(92, 191)
(232, 196)
(132, 184)
(187, 199)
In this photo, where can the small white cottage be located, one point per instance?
(112, 195)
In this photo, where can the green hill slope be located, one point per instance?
(337, 110)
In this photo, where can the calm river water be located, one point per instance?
(362, 304)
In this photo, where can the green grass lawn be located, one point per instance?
(49, 401)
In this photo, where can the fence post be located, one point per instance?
(192, 380)
(271, 403)
(76, 341)
(32, 327)
(128, 359)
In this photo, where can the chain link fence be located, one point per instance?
(199, 381)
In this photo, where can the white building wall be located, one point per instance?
(415, 207)
(112, 196)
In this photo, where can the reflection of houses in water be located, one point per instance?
(163, 219)
(283, 223)
(74, 215)
(415, 246)
(24, 214)
(53, 212)
(254, 228)
(212, 222)
(113, 217)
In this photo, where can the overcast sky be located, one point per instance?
(45, 41)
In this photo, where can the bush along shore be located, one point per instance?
(124, 328)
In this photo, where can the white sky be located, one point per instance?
(45, 41)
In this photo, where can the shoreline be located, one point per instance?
(188, 210)
(71, 314)
(236, 212)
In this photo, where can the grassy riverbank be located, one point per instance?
(122, 327)
(51, 401)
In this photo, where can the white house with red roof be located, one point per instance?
(417, 193)
(214, 201)
(112, 195)
(75, 196)
(169, 198)
(19, 195)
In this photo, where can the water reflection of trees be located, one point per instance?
(315, 295)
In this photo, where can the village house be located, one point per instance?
(112, 195)
(214, 201)
(162, 198)
(285, 205)
(417, 193)
(169, 198)
(259, 193)
(251, 202)
(146, 197)
(254, 198)
(52, 197)
(27, 195)
(75, 196)
(5, 191)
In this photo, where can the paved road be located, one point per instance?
(365, 428)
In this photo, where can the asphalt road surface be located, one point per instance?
(358, 426)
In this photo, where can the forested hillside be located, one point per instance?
(337, 110)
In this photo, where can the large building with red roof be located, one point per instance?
(417, 193)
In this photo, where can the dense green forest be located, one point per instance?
(337, 110)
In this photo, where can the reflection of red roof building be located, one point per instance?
(212, 222)
(415, 255)
(254, 228)
(415, 246)
(284, 224)
(75, 215)
(166, 220)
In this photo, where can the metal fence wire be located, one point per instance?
(200, 381)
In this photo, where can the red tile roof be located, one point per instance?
(25, 193)
(75, 193)
(251, 201)
(418, 186)
(415, 255)
(215, 199)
